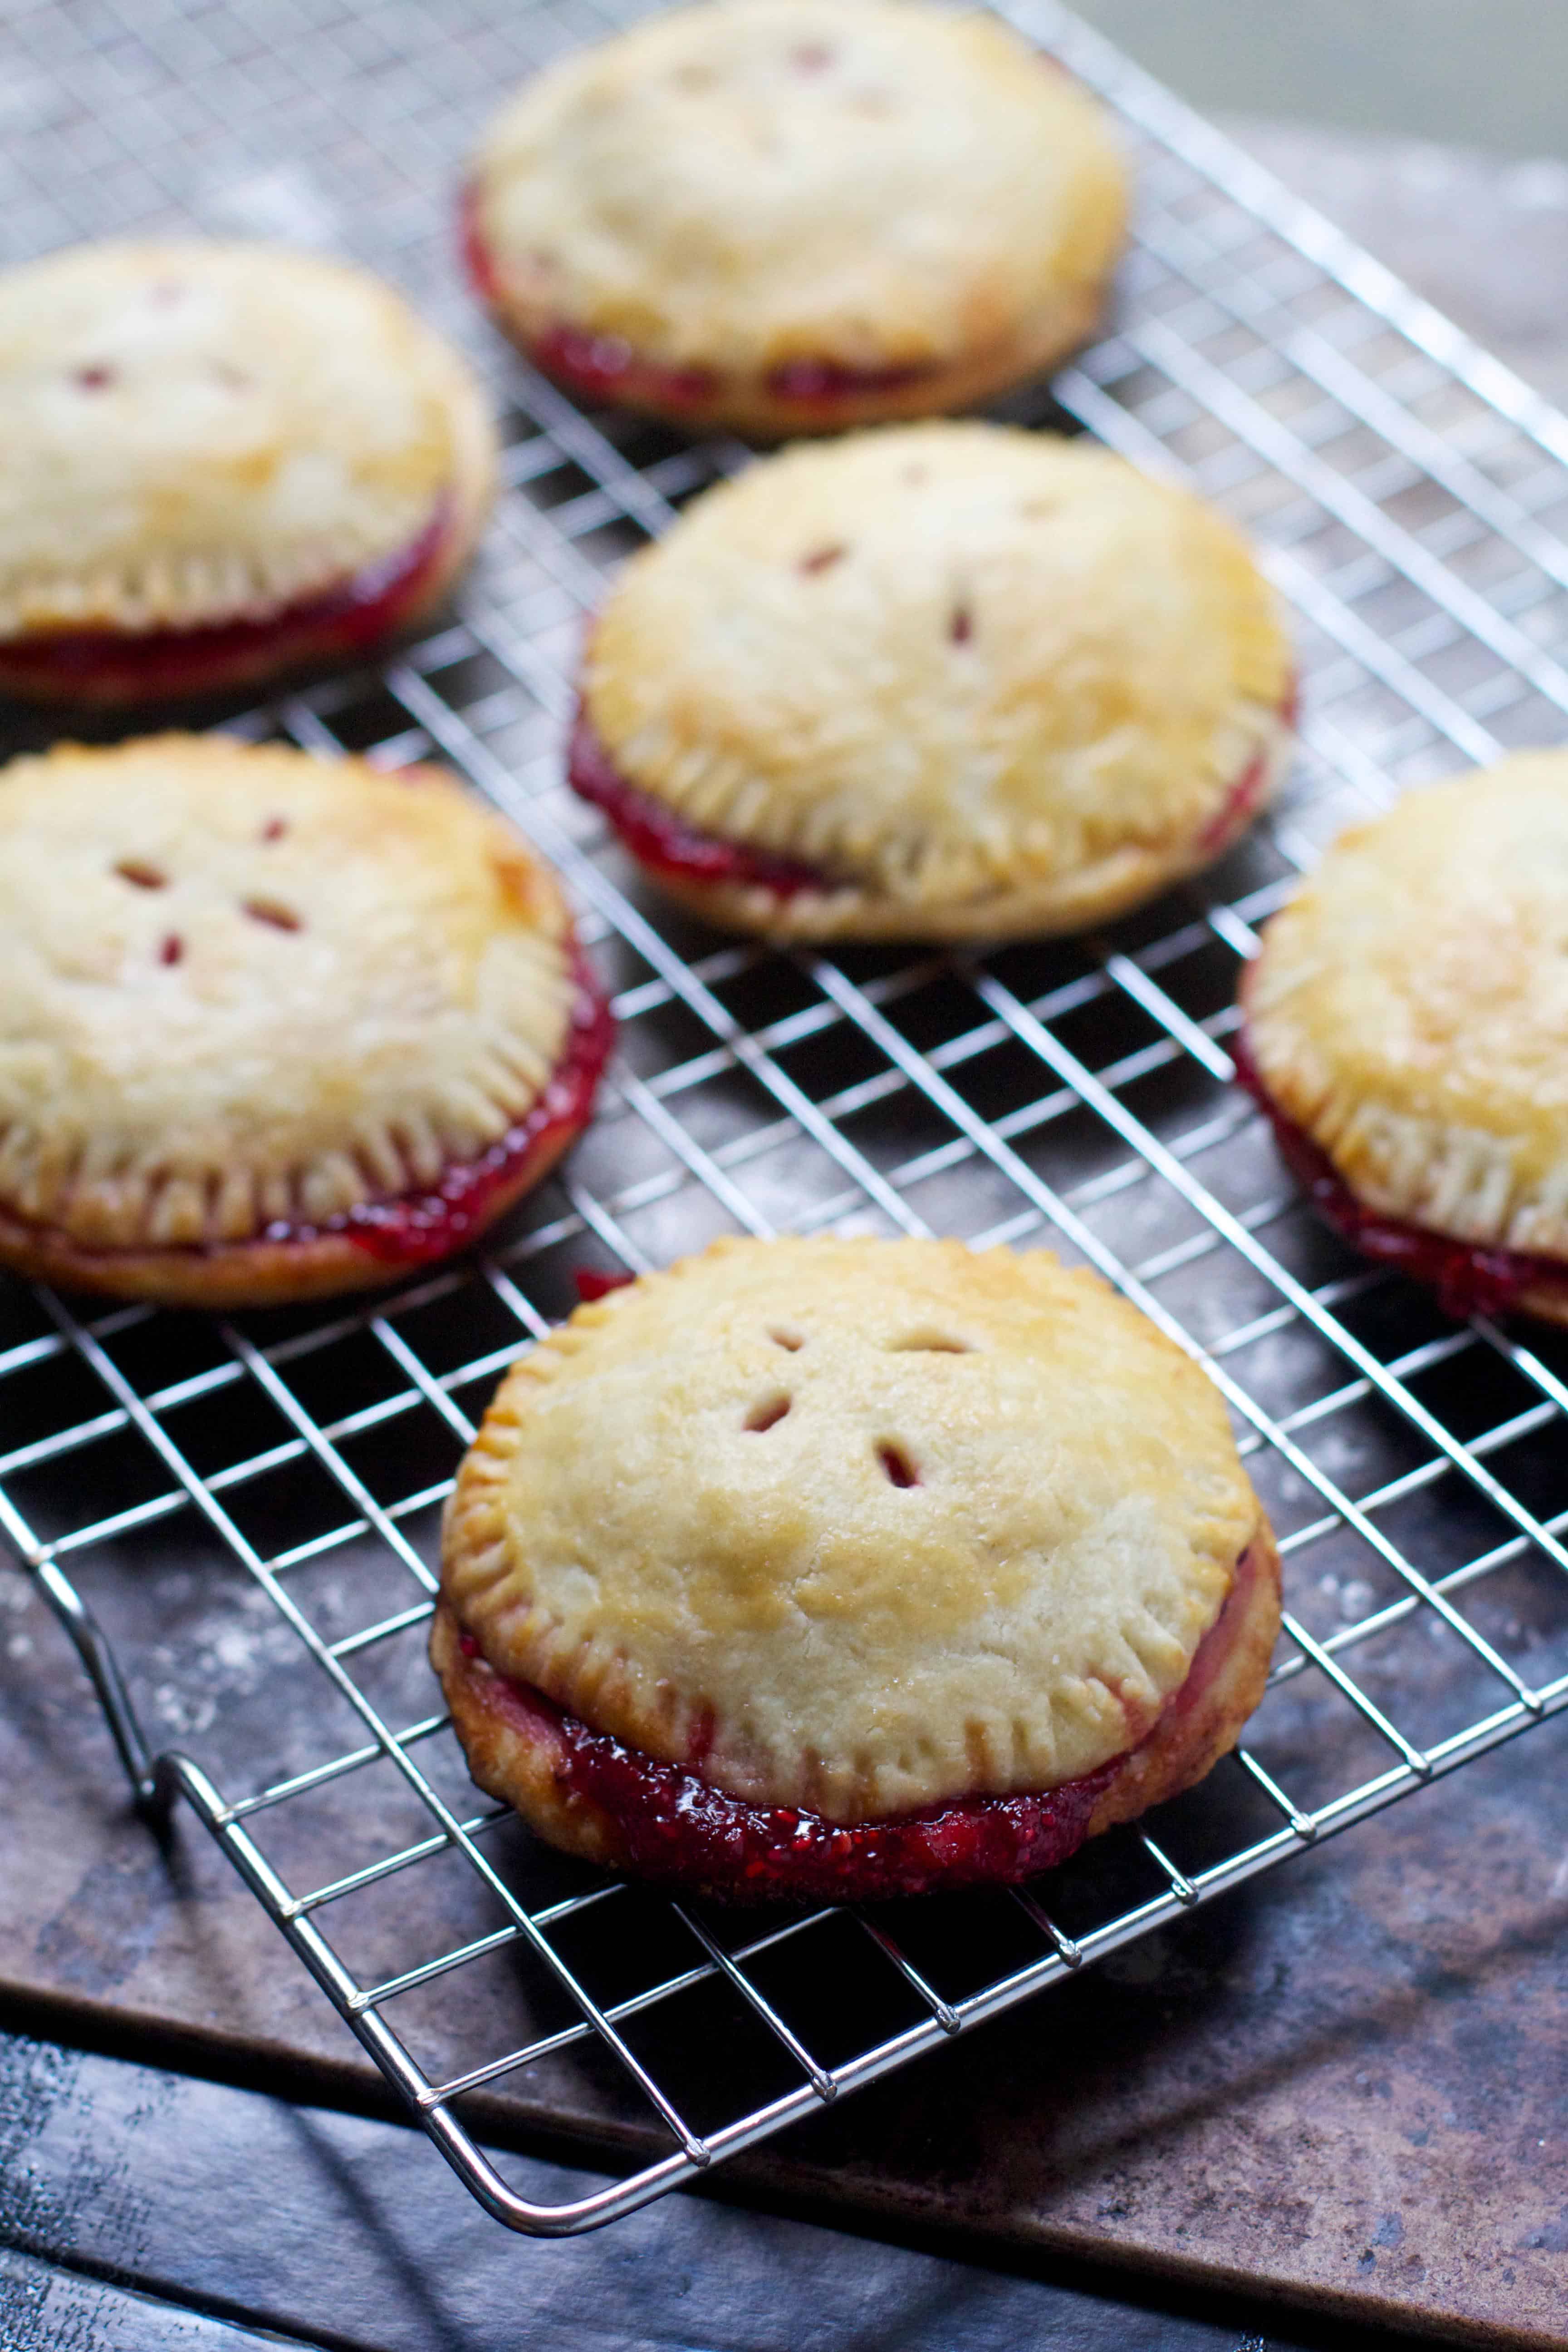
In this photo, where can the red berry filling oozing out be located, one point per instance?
(418, 1228)
(674, 1825)
(415, 1228)
(663, 841)
(666, 842)
(606, 368)
(1469, 1280)
(166, 663)
(1240, 805)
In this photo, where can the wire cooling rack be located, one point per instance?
(246, 1512)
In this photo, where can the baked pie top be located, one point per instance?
(242, 987)
(853, 1525)
(941, 660)
(1409, 1008)
(199, 433)
(742, 186)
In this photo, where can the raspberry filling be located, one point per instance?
(606, 368)
(663, 841)
(1469, 1280)
(591, 1286)
(1241, 803)
(357, 612)
(417, 1227)
(816, 384)
(1239, 808)
(674, 1825)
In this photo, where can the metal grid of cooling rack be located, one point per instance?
(1411, 500)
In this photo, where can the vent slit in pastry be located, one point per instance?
(897, 1468)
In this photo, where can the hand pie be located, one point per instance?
(272, 1026)
(795, 216)
(222, 462)
(815, 1569)
(941, 681)
(1407, 1031)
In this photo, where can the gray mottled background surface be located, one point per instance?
(1472, 73)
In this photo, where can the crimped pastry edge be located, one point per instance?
(1182, 1749)
(603, 1683)
(1043, 907)
(238, 1275)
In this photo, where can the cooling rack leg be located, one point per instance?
(153, 1792)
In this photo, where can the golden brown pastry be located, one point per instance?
(795, 216)
(272, 1026)
(939, 681)
(821, 1568)
(1407, 1030)
(222, 462)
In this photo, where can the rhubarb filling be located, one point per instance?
(607, 368)
(673, 1824)
(356, 612)
(1468, 1279)
(666, 842)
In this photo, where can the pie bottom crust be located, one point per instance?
(1468, 1278)
(819, 908)
(701, 399)
(516, 1752)
(366, 1249)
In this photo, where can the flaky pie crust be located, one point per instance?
(203, 433)
(996, 680)
(873, 183)
(642, 1533)
(242, 988)
(1408, 1010)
